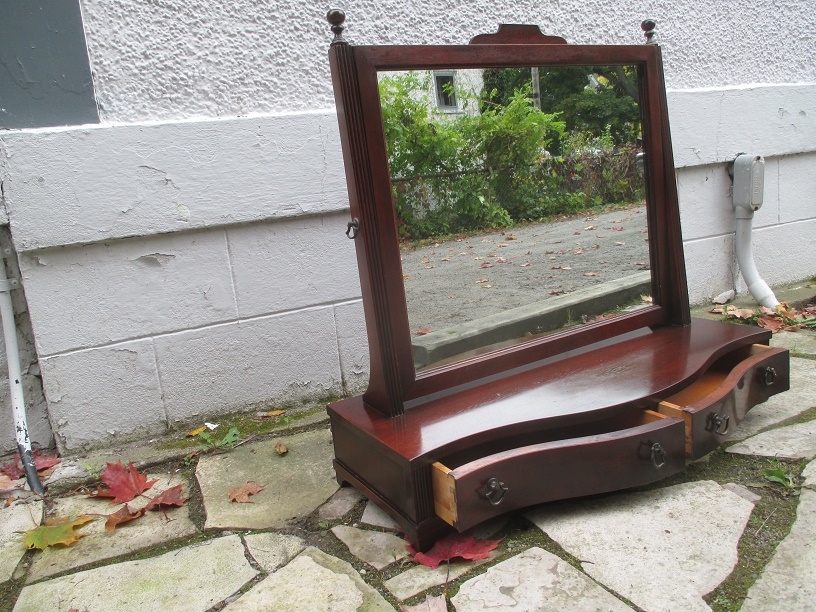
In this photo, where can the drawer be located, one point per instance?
(650, 448)
(714, 405)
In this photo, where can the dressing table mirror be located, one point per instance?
(523, 281)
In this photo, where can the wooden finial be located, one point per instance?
(336, 17)
(648, 27)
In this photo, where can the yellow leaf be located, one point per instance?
(55, 531)
(274, 413)
(196, 431)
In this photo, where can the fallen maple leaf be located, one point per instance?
(124, 483)
(774, 323)
(281, 449)
(453, 546)
(170, 497)
(431, 604)
(122, 515)
(486, 264)
(196, 431)
(55, 531)
(14, 469)
(7, 484)
(241, 494)
(422, 331)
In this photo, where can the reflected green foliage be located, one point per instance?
(491, 165)
(594, 99)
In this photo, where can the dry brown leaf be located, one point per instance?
(422, 331)
(272, 413)
(281, 449)
(7, 484)
(241, 494)
(773, 323)
(123, 515)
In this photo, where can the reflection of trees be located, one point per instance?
(494, 168)
(592, 99)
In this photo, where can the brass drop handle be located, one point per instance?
(767, 376)
(495, 491)
(719, 423)
(658, 455)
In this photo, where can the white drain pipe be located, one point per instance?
(16, 377)
(748, 173)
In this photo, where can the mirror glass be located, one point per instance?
(520, 206)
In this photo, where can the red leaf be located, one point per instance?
(455, 545)
(170, 497)
(123, 515)
(422, 331)
(14, 469)
(124, 483)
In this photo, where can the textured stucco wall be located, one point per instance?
(189, 58)
(187, 256)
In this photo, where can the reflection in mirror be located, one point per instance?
(519, 198)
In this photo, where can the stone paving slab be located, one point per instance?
(19, 517)
(316, 582)
(192, 579)
(377, 517)
(97, 544)
(376, 548)
(790, 442)
(655, 548)
(272, 550)
(789, 580)
(340, 504)
(809, 475)
(535, 581)
(296, 483)
(420, 578)
(802, 342)
(783, 406)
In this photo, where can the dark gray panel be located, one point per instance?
(45, 77)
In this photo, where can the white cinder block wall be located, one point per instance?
(186, 256)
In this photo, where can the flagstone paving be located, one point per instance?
(789, 581)
(22, 516)
(534, 580)
(191, 579)
(302, 543)
(296, 483)
(655, 547)
(98, 544)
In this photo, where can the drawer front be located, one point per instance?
(713, 407)
(510, 480)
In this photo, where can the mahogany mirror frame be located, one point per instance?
(394, 382)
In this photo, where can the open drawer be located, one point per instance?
(714, 405)
(648, 448)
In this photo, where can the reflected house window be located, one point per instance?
(445, 91)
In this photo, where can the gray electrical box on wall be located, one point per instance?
(749, 182)
(45, 75)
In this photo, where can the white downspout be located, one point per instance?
(748, 174)
(16, 378)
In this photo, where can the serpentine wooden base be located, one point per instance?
(616, 414)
